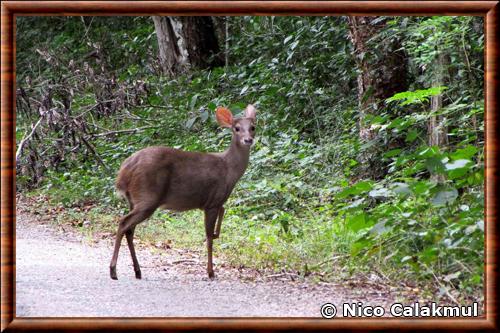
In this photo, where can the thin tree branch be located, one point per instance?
(450, 296)
(92, 149)
(26, 138)
(133, 130)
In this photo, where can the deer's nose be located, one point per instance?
(248, 141)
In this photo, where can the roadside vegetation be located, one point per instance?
(320, 198)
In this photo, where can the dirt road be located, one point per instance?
(60, 274)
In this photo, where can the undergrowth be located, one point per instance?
(304, 204)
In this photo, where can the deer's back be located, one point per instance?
(173, 179)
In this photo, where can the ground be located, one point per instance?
(59, 273)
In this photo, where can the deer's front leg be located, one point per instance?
(219, 223)
(210, 221)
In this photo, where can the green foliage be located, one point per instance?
(460, 39)
(418, 96)
(409, 218)
(45, 43)
(302, 200)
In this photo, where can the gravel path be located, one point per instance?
(58, 274)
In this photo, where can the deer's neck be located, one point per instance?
(236, 157)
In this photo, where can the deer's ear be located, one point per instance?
(224, 116)
(250, 111)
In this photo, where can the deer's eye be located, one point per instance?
(237, 129)
(252, 128)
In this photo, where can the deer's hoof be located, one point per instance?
(138, 275)
(112, 273)
(211, 275)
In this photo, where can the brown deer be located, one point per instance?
(179, 180)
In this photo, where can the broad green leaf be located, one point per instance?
(245, 88)
(422, 187)
(428, 255)
(470, 229)
(359, 245)
(356, 203)
(457, 169)
(396, 123)
(211, 106)
(356, 222)
(374, 119)
(464, 153)
(190, 122)
(204, 116)
(392, 153)
(412, 135)
(434, 165)
(476, 279)
(358, 188)
(457, 173)
(380, 193)
(429, 152)
(457, 164)
(406, 258)
(445, 196)
(480, 224)
(363, 186)
(287, 39)
(417, 96)
(379, 228)
(401, 188)
(192, 103)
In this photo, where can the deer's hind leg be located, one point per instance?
(219, 223)
(129, 234)
(127, 226)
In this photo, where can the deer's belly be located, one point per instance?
(178, 207)
(182, 201)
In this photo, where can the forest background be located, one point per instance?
(369, 158)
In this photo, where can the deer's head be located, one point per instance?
(243, 128)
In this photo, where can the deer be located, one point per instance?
(177, 180)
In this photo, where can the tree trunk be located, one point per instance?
(186, 42)
(437, 129)
(382, 68)
(201, 41)
(382, 72)
(221, 28)
(173, 54)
